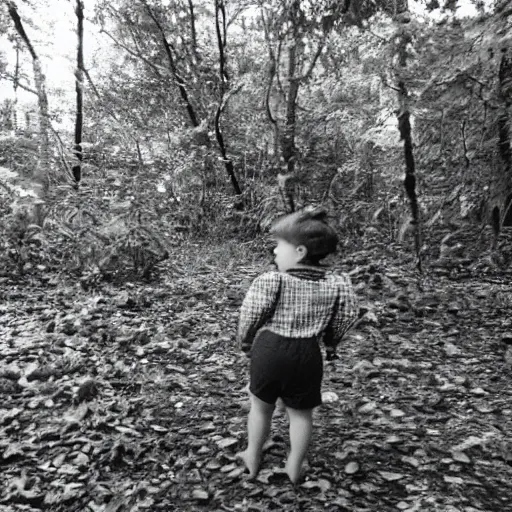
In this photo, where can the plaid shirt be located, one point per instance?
(299, 303)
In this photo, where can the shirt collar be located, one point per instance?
(309, 273)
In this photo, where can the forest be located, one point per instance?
(146, 147)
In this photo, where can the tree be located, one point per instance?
(404, 39)
(79, 86)
(155, 36)
(296, 34)
(40, 83)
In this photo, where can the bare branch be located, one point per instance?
(312, 64)
(146, 61)
(17, 82)
(172, 64)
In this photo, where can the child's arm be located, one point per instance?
(343, 318)
(257, 308)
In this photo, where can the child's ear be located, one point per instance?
(302, 251)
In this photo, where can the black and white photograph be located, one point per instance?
(256, 255)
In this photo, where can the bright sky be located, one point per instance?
(52, 33)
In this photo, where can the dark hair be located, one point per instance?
(309, 228)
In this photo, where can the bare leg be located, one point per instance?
(301, 428)
(258, 429)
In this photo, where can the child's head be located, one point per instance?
(304, 238)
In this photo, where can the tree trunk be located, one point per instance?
(174, 70)
(193, 32)
(288, 142)
(404, 126)
(79, 86)
(288, 150)
(39, 79)
(15, 86)
(224, 80)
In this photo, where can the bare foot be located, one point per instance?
(294, 473)
(251, 463)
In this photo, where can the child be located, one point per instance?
(283, 317)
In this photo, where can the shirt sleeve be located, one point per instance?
(344, 315)
(257, 308)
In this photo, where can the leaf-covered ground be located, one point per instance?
(132, 398)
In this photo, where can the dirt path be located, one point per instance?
(132, 399)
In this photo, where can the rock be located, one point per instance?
(351, 468)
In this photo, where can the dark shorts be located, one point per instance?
(286, 368)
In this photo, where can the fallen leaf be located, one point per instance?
(200, 495)
(391, 477)
(264, 476)
(158, 428)
(81, 460)
(322, 484)
(411, 460)
(472, 441)
(6, 415)
(453, 480)
(367, 408)
(329, 397)
(228, 467)
(227, 442)
(235, 473)
(59, 460)
(128, 430)
(14, 450)
(461, 457)
(393, 439)
(484, 408)
(451, 349)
